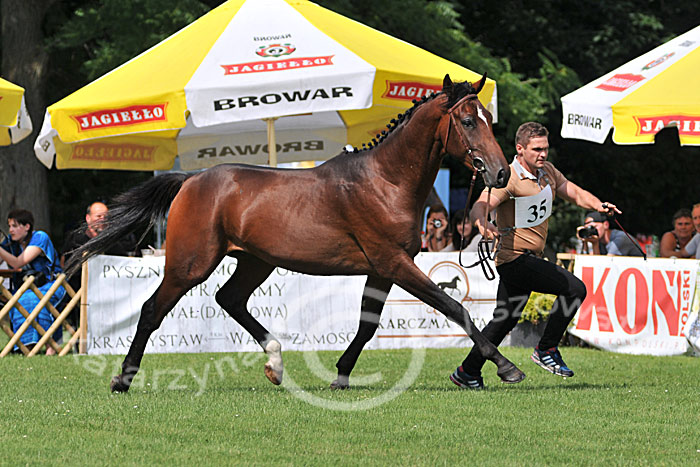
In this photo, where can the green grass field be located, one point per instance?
(220, 409)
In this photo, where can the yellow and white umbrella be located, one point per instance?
(13, 114)
(656, 90)
(211, 92)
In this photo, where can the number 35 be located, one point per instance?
(536, 213)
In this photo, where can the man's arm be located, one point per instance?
(27, 256)
(585, 199)
(477, 215)
(688, 251)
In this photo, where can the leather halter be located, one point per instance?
(453, 121)
(483, 250)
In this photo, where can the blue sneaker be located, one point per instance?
(466, 381)
(551, 361)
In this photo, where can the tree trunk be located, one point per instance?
(23, 180)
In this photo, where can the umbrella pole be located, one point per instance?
(271, 141)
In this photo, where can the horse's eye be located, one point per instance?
(468, 122)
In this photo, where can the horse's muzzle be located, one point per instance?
(493, 177)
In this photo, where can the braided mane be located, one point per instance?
(459, 90)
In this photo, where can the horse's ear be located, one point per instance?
(447, 85)
(480, 84)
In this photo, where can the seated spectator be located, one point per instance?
(672, 242)
(464, 235)
(692, 248)
(33, 252)
(94, 218)
(696, 217)
(605, 240)
(436, 235)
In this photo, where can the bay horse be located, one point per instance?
(359, 213)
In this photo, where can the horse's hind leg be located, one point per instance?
(233, 296)
(373, 298)
(153, 312)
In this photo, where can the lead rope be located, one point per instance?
(483, 249)
(632, 239)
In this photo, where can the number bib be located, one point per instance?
(533, 210)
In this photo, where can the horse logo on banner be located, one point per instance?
(450, 278)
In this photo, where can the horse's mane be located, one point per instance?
(459, 91)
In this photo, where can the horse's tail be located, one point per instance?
(135, 210)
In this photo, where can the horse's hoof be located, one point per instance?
(275, 376)
(343, 382)
(117, 385)
(274, 368)
(510, 374)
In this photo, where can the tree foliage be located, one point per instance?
(111, 32)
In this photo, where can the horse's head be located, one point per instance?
(467, 133)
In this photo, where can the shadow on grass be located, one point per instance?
(268, 389)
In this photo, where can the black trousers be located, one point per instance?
(518, 279)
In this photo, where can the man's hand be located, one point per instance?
(489, 232)
(433, 231)
(608, 208)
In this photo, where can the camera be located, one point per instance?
(587, 232)
(437, 223)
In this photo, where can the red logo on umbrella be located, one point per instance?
(123, 152)
(687, 124)
(275, 50)
(658, 61)
(409, 90)
(620, 82)
(277, 65)
(124, 116)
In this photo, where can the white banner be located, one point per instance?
(635, 306)
(303, 312)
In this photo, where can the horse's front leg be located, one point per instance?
(409, 277)
(373, 298)
(250, 273)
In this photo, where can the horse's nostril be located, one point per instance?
(501, 178)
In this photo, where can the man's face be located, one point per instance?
(534, 154)
(696, 218)
(683, 226)
(96, 216)
(17, 231)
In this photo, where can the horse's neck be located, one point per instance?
(410, 157)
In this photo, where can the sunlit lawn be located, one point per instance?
(219, 409)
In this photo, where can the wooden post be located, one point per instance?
(15, 298)
(82, 346)
(271, 141)
(13, 301)
(54, 326)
